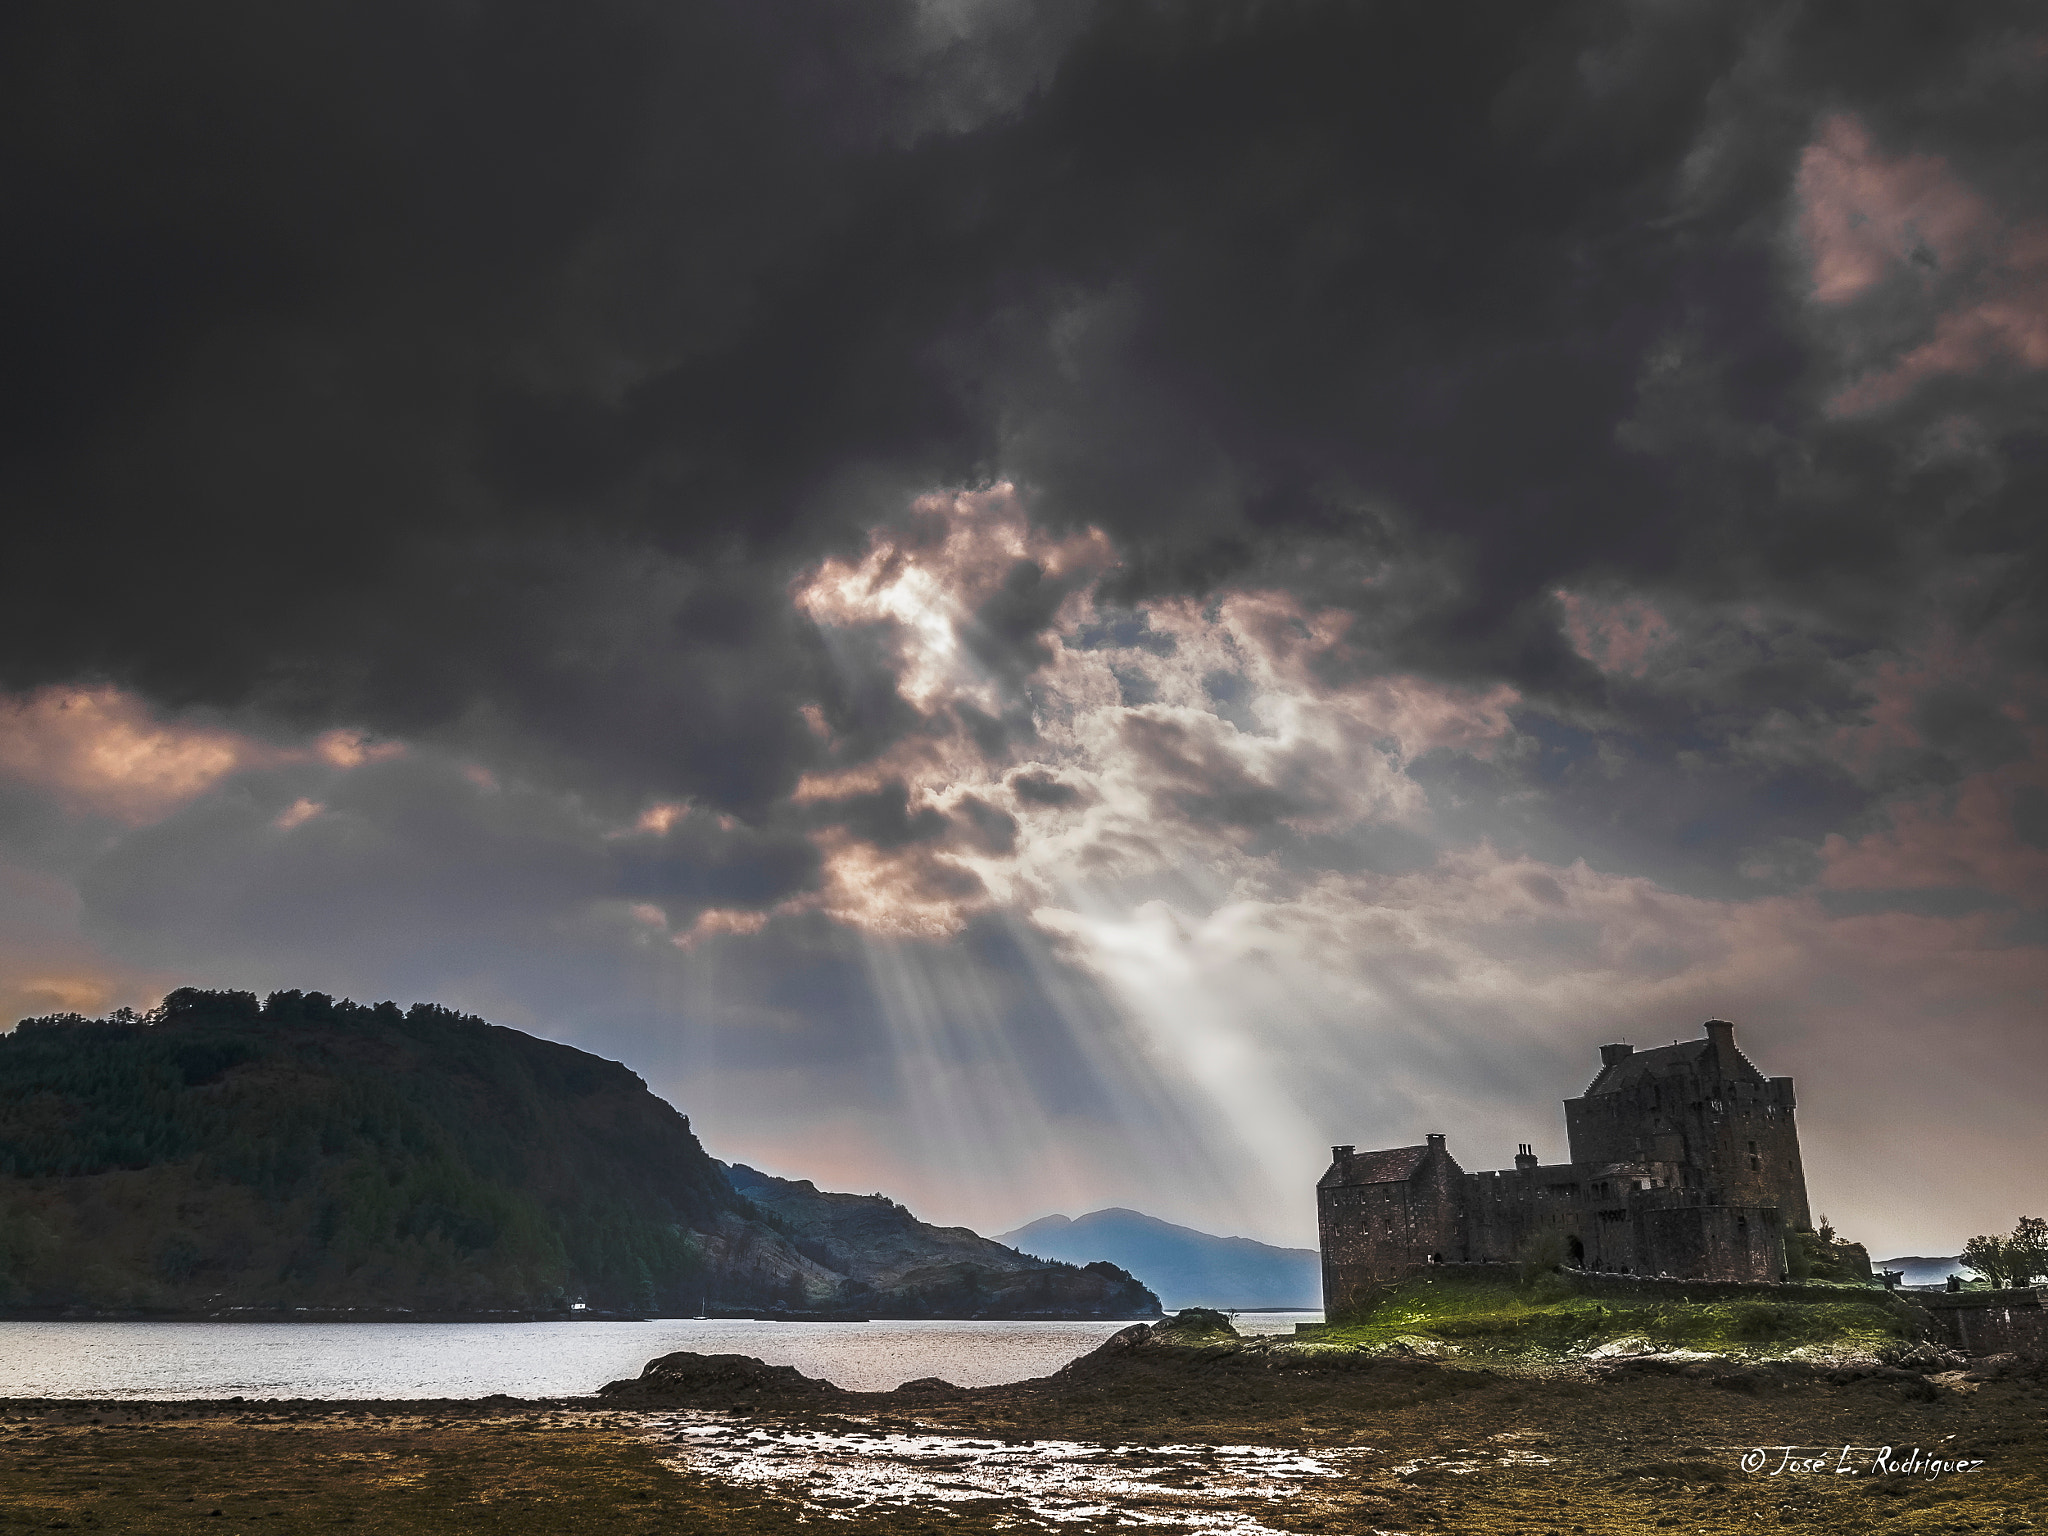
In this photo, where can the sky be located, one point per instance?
(1033, 604)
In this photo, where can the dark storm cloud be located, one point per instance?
(490, 370)
(1043, 789)
(364, 360)
(884, 817)
(700, 863)
(1568, 478)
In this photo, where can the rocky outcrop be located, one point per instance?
(687, 1378)
(1196, 1323)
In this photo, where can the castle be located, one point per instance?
(1684, 1161)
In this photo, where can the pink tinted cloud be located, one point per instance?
(2009, 325)
(1897, 687)
(716, 921)
(1964, 839)
(1617, 636)
(1862, 216)
(352, 749)
(914, 892)
(1866, 220)
(297, 814)
(102, 751)
(1964, 836)
(1423, 716)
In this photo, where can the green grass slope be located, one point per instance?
(1481, 1316)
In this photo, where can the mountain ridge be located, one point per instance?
(1185, 1266)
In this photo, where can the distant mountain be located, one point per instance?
(1187, 1268)
(1924, 1271)
(301, 1153)
(893, 1265)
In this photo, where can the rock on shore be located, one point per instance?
(688, 1377)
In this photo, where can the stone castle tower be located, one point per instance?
(1684, 1160)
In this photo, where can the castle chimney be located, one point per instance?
(1525, 1158)
(1338, 1154)
(1436, 1139)
(1610, 1054)
(1722, 1033)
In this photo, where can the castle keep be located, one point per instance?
(1684, 1161)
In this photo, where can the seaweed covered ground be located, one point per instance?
(288, 1468)
(1177, 1428)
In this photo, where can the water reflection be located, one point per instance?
(407, 1360)
(1199, 1487)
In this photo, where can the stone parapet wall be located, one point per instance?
(2016, 1296)
(1990, 1322)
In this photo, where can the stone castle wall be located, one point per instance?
(1685, 1161)
(1375, 1229)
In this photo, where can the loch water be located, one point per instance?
(421, 1360)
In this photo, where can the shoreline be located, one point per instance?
(403, 1315)
(305, 1315)
(1195, 1435)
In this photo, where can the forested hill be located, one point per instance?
(305, 1153)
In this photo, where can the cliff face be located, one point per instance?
(307, 1153)
(890, 1264)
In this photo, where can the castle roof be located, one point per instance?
(1661, 1061)
(1666, 1061)
(1396, 1165)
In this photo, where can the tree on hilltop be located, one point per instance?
(2016, 1260)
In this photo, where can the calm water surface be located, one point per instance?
(367, 1360)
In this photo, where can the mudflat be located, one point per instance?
(1180, 1440)
(301, 1467)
